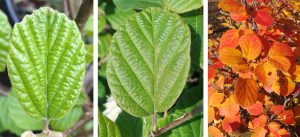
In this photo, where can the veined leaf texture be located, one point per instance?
(107, 128)
(46, 63)
(5, 35)
(149, 62)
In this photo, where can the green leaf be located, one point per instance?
(67, 121)
(195, 20)
(118, 17)
(104, 43)
(89, 51)
(5, 35)
(189, 101)
(8, 123)
(129, 126)
(88, 28)
(107, 128)
(149, 62)
(21, 118)
(101, 21)
(182, 6)
(46, 63)
(178, 6)
(137, 4)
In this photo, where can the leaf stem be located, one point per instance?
(153, 125)
(46, 127)
(186, 117)
(84, 12)
(83, 120)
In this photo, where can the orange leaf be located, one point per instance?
(229, 5)
(255, 109)
(284, 116)
(295, 70)
(229, 108)
(246, 92)
(232, 123)
(281, 56)
(263, 16)
(240, 15)
(266, 74)
(259, 122)
(284, 86)
(211, 114)
(277, 131)
(280, 62)
(259, 132)
(230, 56)
(251, 46)
(216, 99)
(214, 132)
(230, 39)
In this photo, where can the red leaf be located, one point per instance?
(263, 16)
(232, 123)
(230, 39)
(255, 109)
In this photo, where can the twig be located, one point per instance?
(3, 90)
(186, 117)
(83, 120)
(3, 93)
(88, 80)
(68, 9)
(84, 12)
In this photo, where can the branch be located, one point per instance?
(186, 117)
(68, 9)
(88, 80)
(3, 90)
(84, 12)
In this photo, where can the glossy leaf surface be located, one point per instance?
(149, 62)
(46, 63)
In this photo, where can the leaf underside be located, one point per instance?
(149, 62)
(46, 63)
(107, 128)
(5, 35)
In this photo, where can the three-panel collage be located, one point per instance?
(149, 68)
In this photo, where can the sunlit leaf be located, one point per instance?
(149, 62)
(251, 46)
(46, 63)
(246, 92)
(230, 56)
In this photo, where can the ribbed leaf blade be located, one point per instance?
(46, 63)
(5, 35)
(149, 62)
(107, 128)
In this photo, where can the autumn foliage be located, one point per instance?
(254, 70)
